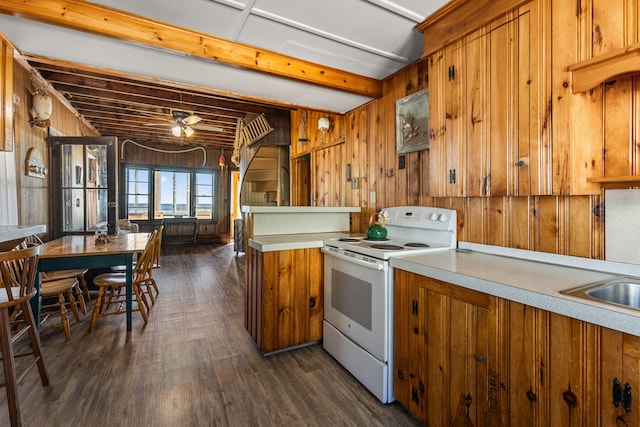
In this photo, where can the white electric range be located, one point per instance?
(358, 290)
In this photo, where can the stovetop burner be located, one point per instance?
(375, 240)
(348, 239)
(416, 245)
(387, 247)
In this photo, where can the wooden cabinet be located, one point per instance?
(552, 361)
(463, 357)
(284, 297)
(444, 352)
(483, 89)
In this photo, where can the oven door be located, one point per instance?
(357, 300)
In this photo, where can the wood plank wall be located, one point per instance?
(33, 193)
(578, 136)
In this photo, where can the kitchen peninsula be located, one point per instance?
(10, 234)
(284, 298)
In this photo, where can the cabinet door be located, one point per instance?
(444, 345)
(620, 365)
(455, 114)
(83, 185)
(290, 296)
(446, 117)
(410, 345)
(475, 51)
(572, 362)
(526, 336)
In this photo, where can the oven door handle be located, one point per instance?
(380, 266)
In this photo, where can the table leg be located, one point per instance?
(129, 304)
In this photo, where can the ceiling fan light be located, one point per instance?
(176, 130)
(188, 131)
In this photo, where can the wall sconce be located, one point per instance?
(324, 124)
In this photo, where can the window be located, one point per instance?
(172, 193)
(204, 195)
(137, 193)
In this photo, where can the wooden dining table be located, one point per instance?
(82, 251)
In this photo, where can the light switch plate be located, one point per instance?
(372, 197)
(354, 183)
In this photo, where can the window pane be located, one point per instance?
(172, 191)
(204, 195)
(137, 193)
(73, 209)
(96, 166)
(97, 210)
(72, 175)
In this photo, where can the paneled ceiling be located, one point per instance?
(126, 65)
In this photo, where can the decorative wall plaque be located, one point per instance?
(35, 166)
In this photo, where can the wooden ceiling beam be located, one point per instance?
(108, 22)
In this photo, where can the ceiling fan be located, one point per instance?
(183, 122)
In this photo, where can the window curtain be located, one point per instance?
(8, 189)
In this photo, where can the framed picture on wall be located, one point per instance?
(412, 122)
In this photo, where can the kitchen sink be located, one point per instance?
(623, 291)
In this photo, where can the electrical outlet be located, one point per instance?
(401, 164)
(372, 197)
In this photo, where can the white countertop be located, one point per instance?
(299, 209)
(285, 242)
(14, 232)
(530, 278)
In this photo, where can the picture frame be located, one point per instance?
(412, 122)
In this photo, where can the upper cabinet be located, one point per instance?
(6, 95)
(484, 138)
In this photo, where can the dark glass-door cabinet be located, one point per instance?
(83, 185)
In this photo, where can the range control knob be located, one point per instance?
(443, 217)
(434, 217)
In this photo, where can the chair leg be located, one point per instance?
(80, 299)
(74, 305)
(97, 308)
(85, 289)
(63, 315)
(36, 345)
(141, 303)
(9, 369)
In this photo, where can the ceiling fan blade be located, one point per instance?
(191, 120)
(210, 128)
(158, 124)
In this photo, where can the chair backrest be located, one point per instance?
(18, 269)
(156, 257)
(144, 263)
(126, 225)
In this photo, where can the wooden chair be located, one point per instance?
(18, 269)
(149, 282)
(111, 287)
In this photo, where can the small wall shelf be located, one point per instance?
(590, 73)
(626, 179)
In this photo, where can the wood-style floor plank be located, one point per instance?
(193, 364)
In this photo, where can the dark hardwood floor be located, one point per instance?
(192, 365)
